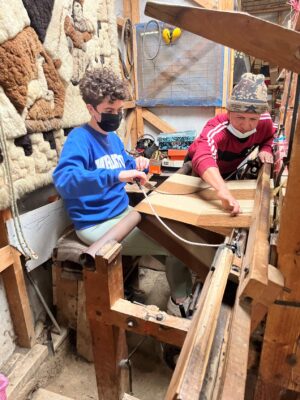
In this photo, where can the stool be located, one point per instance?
(69, 292)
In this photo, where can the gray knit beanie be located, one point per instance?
(249, 95)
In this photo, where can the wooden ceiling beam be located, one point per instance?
(265, 40)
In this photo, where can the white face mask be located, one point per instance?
(239, 134)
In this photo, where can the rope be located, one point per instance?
(147, 57)
(26, 249)
(220, 245)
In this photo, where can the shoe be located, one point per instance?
(179, 310)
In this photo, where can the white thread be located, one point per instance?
(174, 233)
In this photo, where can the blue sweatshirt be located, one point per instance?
(86, 176)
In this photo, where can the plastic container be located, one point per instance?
(3, 386)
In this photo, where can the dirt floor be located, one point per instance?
(150, 375)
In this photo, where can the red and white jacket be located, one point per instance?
(217, 147)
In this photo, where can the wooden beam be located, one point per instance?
(235, 373)
(145, 321)
(129, 104)
(83, 332)
(192, 209)
(15, 287)
(129, 124)
(188, 185)
(207, 3)
(266, 10)
(189, 373)
(139, 122)
(196, 258)
(264, 40)
(6, 257)
(217, 360)
(280, 354)
(256, 260)
(279, 359)
(157, 122)
(273, 290)
(103, 287)
(19, 307)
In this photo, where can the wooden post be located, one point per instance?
(13, 278)
(255, 263)
(188, 376)
(103, 287)
(280, 355)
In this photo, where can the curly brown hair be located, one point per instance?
(98, 84)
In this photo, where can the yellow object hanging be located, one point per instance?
(171, 35)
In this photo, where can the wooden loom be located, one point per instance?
(110, 315)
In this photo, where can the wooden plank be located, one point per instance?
(288, 239)
(235, 374)
(273, 290)
(191, 209)
(256, 260)
(83, 333)
(6, 258)
(265, 40)
(16, 293)
(103, 287)
(129, 124)
(185, 185)
(139, 122)
(216, 362)
(268, 391)
(196, 258)
(189, 373)
(66, 292)
(129, 104)
(157, 122)
(19, 307)
(280, 354)
(148, 321)
(207, 3)
(135, 11)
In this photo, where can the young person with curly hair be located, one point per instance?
(92, 172)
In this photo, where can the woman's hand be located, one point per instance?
(229, 203)
(265, 157)
(132, 174)
(142, 163)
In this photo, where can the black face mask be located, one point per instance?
(110, 122)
